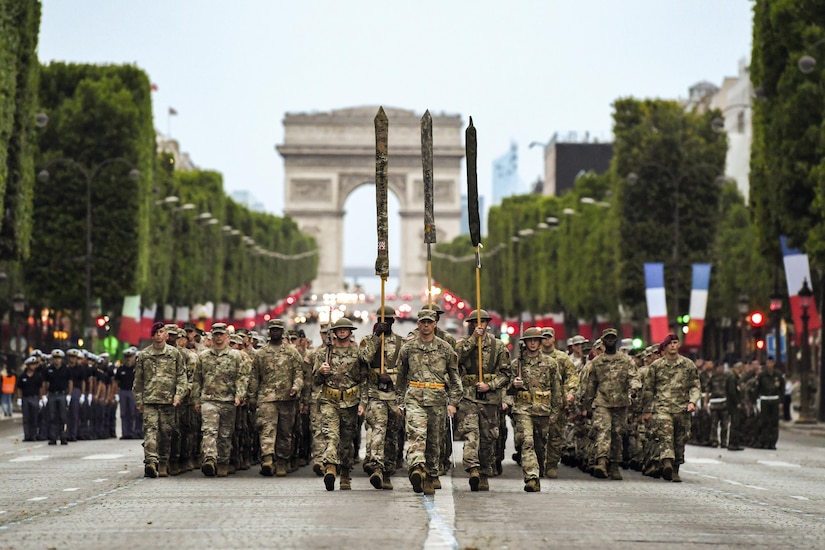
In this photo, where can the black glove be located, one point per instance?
(380, 328)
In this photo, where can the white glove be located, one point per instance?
(19, 402)
(117, 398)
(68, 400)
(82, 399)
(43, 401)
(89, 398)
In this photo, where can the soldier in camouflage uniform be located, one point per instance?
(570, 383)
(715, 404)
(318, 439)
(160, 385)
(378, 400)
(302, 434)
(537, 398)
(480, 407)
(189, 421)
(427, 388)
(636, 428)
(340, 373)
(219, 388)
(240, 458)
(671, 393)
(275, 386)
(770, 387)
(607, 396)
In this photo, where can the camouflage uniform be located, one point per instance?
(221, 378)
(570, 383)
(672, 384)
(427, 382)
(275, 385)
(160, 379)
(379, 403)
(535, 408)
(318, 439)
(607, 395)
(479, 413)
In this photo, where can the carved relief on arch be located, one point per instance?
(310, 190)
(347, 183)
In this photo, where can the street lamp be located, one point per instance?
(805, 416)
(134, 174)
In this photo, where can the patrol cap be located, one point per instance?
(243, 332)
(532, 333)
(236, 339)
(597, 343)
(343, 322)
(30, 360)
(577, 339)
(219, 328)
(627, 343)
(388, 312)
(275, 323)
(292, 334)
(58, 353)
(427, 315)
(189, 325)
(609, 332)
(473, 316)
(548, 331)
(171, 327)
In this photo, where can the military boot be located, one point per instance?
(615, 474)
(208, 467)
(150, 470)
(346, 482)
(266, 466)
(475, 479)
(163, 469)
(667, 469)
(329, 476)
(386, 484)
(280, 468)
(532, 485)
(175, 468)
(483, 483)
(436, 483)
(676, 478)
(427, 485)
(223, 470)
(417, 476)
(552, 473)
(651, 469)
(377, 478)
(318, 468)
(600, 469)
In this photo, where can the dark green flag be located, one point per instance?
(382, 261)
(427, 166)
(472, 184)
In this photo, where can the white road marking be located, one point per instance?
(756, 487)
(29, 458)
(70, 489)
(778, 463)
(124, 472)
(797, 497)
(702, 461)
(102, 457)
(441, 509)
(2, 512)
(709, 477)
(691, 472)
(33, 499)
(731, 482)
(100, 480)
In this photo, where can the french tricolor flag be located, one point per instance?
(796, 271)
(698, 305)
(656, 304)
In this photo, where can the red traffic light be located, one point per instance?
(101, 321)
(757, 319)
(760, 344)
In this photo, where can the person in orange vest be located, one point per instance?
(9, 382)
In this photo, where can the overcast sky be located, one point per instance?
(523, 69)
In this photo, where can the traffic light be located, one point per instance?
(101, 321)
(757, 321)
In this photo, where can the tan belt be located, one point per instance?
(538, 396)
(524, 397)
(429, 385)
(340, 395)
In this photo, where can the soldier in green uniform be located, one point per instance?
(318, 439)
(378, 399)
(219, 388)
(770, 387)
(187, 419)
(427, 388)
(160, 385)
(275, 386)
(607, 396)
(340, 373)
(672, 391)
(480, 407)
(537, 397)
(570, 383)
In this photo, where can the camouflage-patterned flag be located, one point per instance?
(427, 166)
(382, 261)
(472, 184)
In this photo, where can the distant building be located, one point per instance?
(171, 146)
(245, 198)
(564, 161)
(506, 181)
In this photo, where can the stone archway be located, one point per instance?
(329, 155)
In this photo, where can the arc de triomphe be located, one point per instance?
(329, 155)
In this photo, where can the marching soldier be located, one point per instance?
(428, 387)
(537, 399)
(274, 387)
(160, 384)
(57, 383)
(378, 400)
(339, 372)
(480, 407)
(770, 387)
(30, 384)
(570, 383)
(124, 382)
